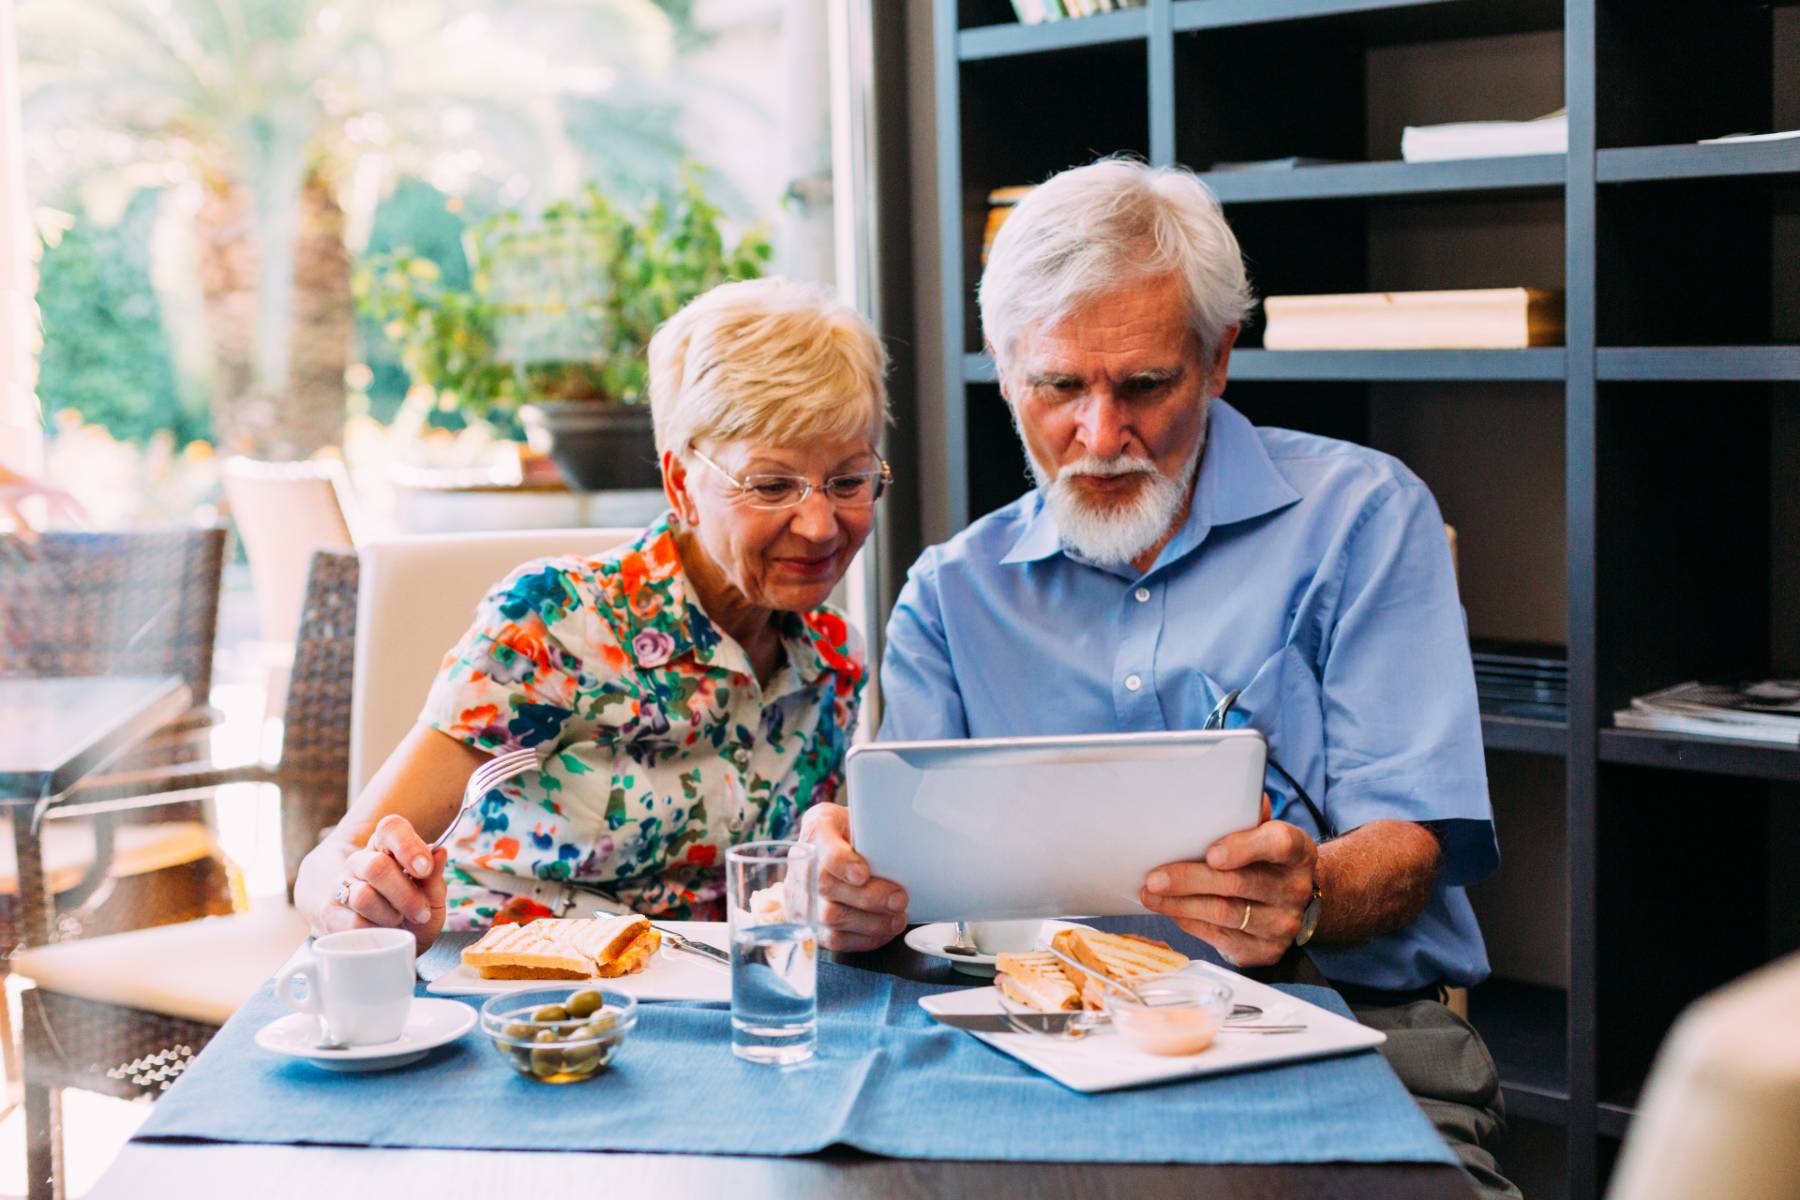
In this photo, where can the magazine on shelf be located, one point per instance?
(1766, 710)
(1548, 134)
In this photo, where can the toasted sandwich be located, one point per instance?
(1036, 979)
(549, 948)
(1121, 956)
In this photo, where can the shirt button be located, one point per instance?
(1133, 683)
(1142, 594)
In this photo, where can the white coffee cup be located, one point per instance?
(1005, 937)
(359, 983)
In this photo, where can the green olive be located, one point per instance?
(603, 1024)
(582, 1057)
(547, 1037)
(597, 1030)
(522, 1059)
(584, 1004)
(551, 1012)
(519, 1031)
(546, 1062)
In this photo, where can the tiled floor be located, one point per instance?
(249, 828)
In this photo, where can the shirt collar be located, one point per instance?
(659, 621)
(1238, 481)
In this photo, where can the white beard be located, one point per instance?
(1116, 533)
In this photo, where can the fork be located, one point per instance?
(487, 777)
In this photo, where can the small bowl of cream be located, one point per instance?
(1179, 1015)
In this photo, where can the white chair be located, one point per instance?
(417, 597)
(1722, 1108)
(283, 512)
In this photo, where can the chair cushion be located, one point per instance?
(68, 850)
(201, 970)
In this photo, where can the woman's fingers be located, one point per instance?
(372, 907)
(402, 894)
(396, 836)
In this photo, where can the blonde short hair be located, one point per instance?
(773, 359)
(1104, 226)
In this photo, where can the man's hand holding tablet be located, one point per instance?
(856, 910)
(1248, 899)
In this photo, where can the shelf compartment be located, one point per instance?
(1349, 180)
(1525, 1026)
(1711, 756)
(1524, 734)
(1542, 363)
(1690, 161)
(1047, 37)
(1710, 363)
(1381, 21)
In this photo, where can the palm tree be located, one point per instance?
(281, 109)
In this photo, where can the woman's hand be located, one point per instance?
(345, 886)
(856, 910)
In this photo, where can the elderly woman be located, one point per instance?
(685, 692)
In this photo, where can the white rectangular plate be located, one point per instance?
(672, 974)
(1100, 1062)
(1046, 827)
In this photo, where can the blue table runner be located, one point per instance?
(887, 1080)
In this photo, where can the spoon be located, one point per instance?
(963, 945)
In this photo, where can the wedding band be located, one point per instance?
(342, 895)
(1245, 923)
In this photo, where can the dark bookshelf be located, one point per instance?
(1674, 407)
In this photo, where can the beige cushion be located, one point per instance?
(1720, 1111)
(201, 970)
(415, 598)
(68, 850)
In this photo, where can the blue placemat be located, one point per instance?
(886, 1080)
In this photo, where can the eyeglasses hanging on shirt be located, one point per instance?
(1216, 720)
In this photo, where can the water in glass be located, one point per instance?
(774, 993)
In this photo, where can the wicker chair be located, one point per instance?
(111, 1014)
(141, 603)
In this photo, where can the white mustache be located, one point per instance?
(1106, 468)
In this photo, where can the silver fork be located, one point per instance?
(489, 775)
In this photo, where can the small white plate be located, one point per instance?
(429, 1024)
(1101, 1062)
(931, 939)
(671, 974)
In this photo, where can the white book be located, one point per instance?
(1478, 318)
(1660, 722)
(1486, 139)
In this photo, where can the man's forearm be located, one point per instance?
(1376, 879)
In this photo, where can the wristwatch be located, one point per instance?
(1309, 920)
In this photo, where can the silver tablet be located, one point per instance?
(989, 829)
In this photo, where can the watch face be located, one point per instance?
(1309, 921)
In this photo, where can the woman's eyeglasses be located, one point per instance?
(1216, 720)
(852, 489)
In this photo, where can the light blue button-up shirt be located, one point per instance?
(1313, 575)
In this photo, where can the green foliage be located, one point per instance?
(558, 306)
(105, 352)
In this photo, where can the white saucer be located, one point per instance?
(429, 1024)
(931, 939)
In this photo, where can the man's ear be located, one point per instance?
(1215, 376)
(1005, 385)
(674, 480)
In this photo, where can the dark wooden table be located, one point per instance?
(212, 1169)
(53, 732)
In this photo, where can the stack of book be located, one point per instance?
(1486, 139)
(1765, 711)
(1032, 12)
(1477, 319)
(1521, 679)
(1000, 206)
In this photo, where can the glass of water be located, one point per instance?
(772, 900)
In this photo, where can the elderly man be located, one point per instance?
(1172, 557)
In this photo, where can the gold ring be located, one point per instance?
(1245, 923)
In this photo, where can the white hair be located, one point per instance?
(773, 359)
(1098, 228)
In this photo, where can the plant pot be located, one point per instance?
(597, 447)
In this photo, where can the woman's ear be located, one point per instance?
(674, 476)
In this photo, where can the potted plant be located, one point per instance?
(557, 318)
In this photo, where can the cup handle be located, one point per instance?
(303, 971)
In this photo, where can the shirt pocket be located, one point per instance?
(1283, 700)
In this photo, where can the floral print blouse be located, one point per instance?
(660, 747)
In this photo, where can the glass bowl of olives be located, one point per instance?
(560, 1034)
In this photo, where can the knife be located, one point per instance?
(1056, 1023)
(711, 953)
